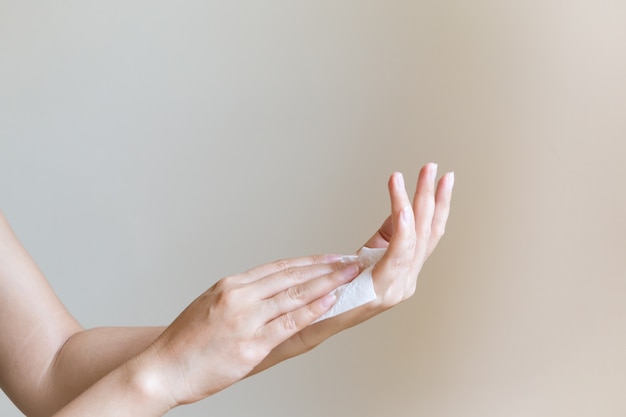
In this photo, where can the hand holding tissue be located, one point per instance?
(360, 290)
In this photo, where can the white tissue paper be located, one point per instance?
(361, 289)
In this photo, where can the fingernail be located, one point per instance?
(451, 180)
(432, 172)
(400, 180)
(334, 257)
(328, 300)
(350, 270)
(349, 258)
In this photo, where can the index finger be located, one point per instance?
(279, 265)
(399, 256)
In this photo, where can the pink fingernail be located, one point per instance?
(400, 180)
(328, 300)
(349, 258)
(350, 270)
(433, 170)
(335, 257)
(451, 180)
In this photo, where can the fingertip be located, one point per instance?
(396, 181)
(432, 171)
(450, 183)
(429, 170)
(400, 180)
(445, 186)
(397, 193)
(328, 301)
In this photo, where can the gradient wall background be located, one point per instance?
(148, 148)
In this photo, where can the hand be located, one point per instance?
(411, 233)
(220, 337)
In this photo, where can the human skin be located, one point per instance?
(242, 325)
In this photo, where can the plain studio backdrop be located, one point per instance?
(149, 148)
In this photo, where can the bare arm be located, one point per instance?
(128, 390)
(89, 355)
(224, 333)
(47, 357)
(33, 324)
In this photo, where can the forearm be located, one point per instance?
(314, 335)
(89, 355)
(129, 390)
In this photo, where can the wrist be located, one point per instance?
(146, 381)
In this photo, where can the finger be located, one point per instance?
(399, 255)
(300, 295)
(424, 209)
(283, 264)
(443, 196)
(286, 325)
(280, 281)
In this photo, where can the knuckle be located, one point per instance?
(288, 323)
(296, 293)
(424, 231)
(438, 229)
(318, 259)
(294, 273)
(229, 296)
(250, 352)
(397, 263)
(411, 245)
(224, 283)
(281, 264)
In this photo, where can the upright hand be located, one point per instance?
(410, 234)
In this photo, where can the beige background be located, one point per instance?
(149, 148)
